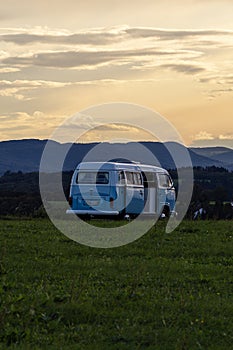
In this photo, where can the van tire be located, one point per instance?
(84, 217)
(166, 211)
(121, 214)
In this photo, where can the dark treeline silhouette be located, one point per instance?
(20, 193)
(212, 193)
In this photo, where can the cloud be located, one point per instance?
(30, 83)
(18, 88)
(95, 131)
(217, 84)
(184, 68)
(83, 38)
(220, 79)
(227, 79)
(119, 127)
(174, 34)
(203, 135)
(25, 122)
(226, 137)
(216, 142)
(218, 92)
(106, 36)
(9, 70)
(140, 48)
(80, 121)
(21, 89)
(121, 49)
(205, 139)
(86, 122)
(45, 124)
(72, 59)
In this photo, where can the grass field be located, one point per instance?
(164, 291)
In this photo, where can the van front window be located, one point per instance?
(165, 180)
(90, 177)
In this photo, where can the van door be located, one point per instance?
(150, 192)
(134, 192)
(93, 189)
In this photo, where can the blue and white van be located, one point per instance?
(120, 189)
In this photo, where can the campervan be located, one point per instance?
(121, 189)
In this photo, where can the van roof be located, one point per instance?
(118, 166)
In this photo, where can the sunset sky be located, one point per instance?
(60, 57)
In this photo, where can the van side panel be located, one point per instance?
(134, 192)
(134, 200)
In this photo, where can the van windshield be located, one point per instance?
(91, 177)
(165, 180)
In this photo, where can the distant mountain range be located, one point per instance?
(25, 155)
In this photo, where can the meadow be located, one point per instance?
(163, 291)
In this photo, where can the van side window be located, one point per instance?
(89, 177)
(137, 179)
(149, 179)
(133, 178)
(129, 177)
(102, 178)
(121, 177)
(164, 180)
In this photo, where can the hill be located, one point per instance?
(222, 154)
(24, 155)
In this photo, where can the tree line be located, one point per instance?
(212, 191)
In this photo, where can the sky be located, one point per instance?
(60, 57)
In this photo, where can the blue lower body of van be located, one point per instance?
(93, 199)
(106, 200)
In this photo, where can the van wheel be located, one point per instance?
(165, 212)
(84, 217)
(121, 214)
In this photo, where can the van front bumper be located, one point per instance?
(92, 212)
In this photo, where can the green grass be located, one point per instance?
(164, 291)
